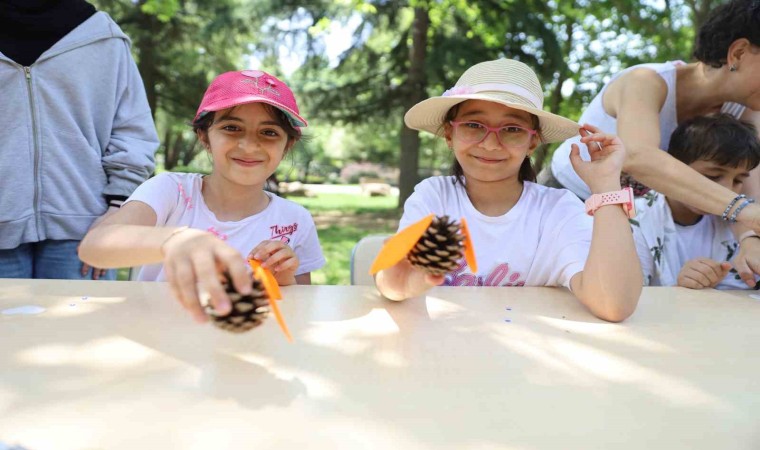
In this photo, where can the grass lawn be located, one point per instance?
(342, 219)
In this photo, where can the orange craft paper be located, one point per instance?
(469, 251)
(398, 246)
(273, 290)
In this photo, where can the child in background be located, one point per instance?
(678, 244)
(524, 234)
(201, 226)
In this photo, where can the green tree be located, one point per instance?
(179, 47)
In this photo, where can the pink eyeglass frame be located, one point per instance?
(494, 130)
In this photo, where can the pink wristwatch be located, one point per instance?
(623, 197)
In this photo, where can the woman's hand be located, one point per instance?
(602, 173)
(194, 260)
(279, 258)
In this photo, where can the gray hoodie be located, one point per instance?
(74, 126)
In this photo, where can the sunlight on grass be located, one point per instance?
(347, 202)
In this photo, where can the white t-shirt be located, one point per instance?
(664, 247)
(542, 241)
(694, 241)
(177, 200)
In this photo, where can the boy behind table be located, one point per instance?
(678, 244)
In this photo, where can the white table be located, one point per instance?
(126, 368)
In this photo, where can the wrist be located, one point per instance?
(603, 186)
(750, 217)
(168, 240)
(747, 234)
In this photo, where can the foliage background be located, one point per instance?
(400, 52)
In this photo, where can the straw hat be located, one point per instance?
(505, 81)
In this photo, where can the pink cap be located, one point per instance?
(250, 86)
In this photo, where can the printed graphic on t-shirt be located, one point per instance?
(217, 233)
(499, 276)
(283, 232)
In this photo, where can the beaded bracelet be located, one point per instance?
(736, 212)
(731, 205)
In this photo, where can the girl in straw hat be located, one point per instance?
(524, 234)
(644, 104)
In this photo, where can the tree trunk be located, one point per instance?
(147, 63)
(189, 155)
(414, 92)
(171, 154)
(539, 156)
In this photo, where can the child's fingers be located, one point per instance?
(289, 264)
(434, 280)
(745, 271)
(184, 281)
(690, 280)
(575, 156)
(591, 128)
(711, 269)
(266, 248)
(208, 281)
(236, 267)
(725, 266)
(277, 258)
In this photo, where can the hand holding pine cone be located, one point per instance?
(248, 311)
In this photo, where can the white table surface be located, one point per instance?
(126, 368)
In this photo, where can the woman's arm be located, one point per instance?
(635, 100)
(611, 282)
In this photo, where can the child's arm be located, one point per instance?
(403, 281)
(191, 257)
(702, 273)
(611, 282)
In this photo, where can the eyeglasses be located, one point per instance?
(508, 136)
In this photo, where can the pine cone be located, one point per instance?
(440, 248)
(248, 311)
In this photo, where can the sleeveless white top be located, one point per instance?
(595, 115)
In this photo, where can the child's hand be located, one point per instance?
(403, 281)
(195, 260)
(747, 261)
(602, 173)
(279, 258)
(702, 273)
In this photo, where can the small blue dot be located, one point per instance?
(507, 320)
(509, 309)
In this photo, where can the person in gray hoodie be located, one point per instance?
(77, 135)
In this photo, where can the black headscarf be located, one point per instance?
(29, 27)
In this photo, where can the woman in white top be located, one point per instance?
(523, 234)
(644, 104)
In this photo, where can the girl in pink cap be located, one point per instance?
(188, 229)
